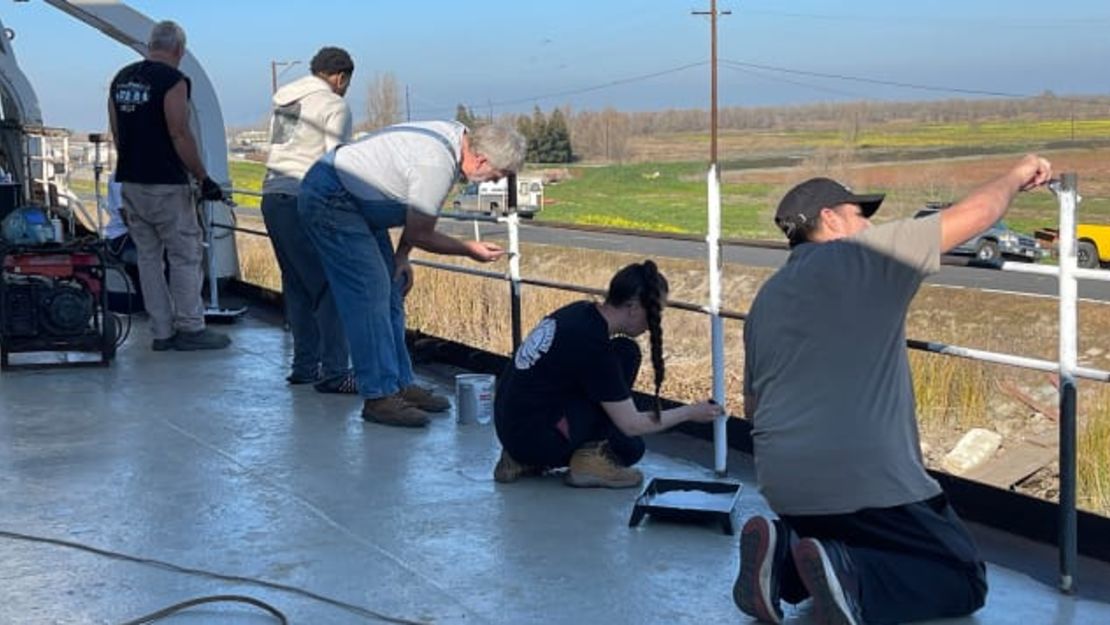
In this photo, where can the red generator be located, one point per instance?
(52, 299)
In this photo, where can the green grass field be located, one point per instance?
(975, 137)
(634, 197)
(669, 193)
(624, 196)
(667, 197)
(246, 176)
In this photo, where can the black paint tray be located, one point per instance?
(688, 500)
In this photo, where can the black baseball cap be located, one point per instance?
(804, 202)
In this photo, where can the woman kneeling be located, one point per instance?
(566, 399)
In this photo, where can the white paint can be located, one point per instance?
(474, 397)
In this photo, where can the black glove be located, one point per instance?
(211, 191)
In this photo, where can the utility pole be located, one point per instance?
(713, 247)
(1072, 108)
(274, 73)
(408, 110)
(712, 13)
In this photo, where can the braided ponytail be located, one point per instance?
(644, 283)
(651, 298)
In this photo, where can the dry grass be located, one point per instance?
(1094, 455)
(953, 394)
(257, 263)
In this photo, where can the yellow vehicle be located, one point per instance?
(1092, 248)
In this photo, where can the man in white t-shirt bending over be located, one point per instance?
(397, 176)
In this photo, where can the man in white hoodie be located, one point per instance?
(310, 118)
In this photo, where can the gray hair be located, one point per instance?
(503, 147)
(167, 36)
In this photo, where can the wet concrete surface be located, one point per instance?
(210, 460)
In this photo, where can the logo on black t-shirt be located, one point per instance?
(536, 345)
(130, 95)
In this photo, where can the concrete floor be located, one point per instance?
(209, 460)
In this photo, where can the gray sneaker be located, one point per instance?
(201, 339)
(829, 577)
(163, 345)
(762, 552)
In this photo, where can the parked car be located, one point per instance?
(492, 197)
(997, 242)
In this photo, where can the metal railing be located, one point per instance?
(1067, 366)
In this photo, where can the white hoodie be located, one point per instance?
(309, 119)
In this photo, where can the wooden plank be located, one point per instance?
(1013, 465)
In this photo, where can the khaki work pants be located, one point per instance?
(162, 220)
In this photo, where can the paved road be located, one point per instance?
(957, 277)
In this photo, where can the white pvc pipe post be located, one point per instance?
(513, 222)
(716, 324)
(1068, 198)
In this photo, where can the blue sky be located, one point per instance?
(509, 55)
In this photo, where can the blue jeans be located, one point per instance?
(352, 237)
(319, 345)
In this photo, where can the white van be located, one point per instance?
(492, 197)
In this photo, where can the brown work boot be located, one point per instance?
(509, 470)
(392, 410)
(593, 465)
(425, 399)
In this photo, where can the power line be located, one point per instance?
(740, 65)
(764, 71)
(808, 85)
(876, 81)
(571, 92)
(995, 22)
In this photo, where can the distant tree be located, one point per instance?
(384, 102)
(616, 133)
(555, 146)
(466, 117)
(537, 134)
(548, 137)
(524, 127)
(605, 135)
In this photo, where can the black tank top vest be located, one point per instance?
(146, 153)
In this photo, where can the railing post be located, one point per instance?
(210, 245)
(1068, 348)
(513, 221)
(716, 324)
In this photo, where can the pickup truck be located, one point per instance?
(492, 197)
(996, 242)
(1092, 244)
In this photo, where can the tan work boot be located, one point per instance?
(392, 410)
(593, 465)
(425, 399)
(509, 470)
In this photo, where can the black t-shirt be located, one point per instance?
(568, 355)
(146, 153)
